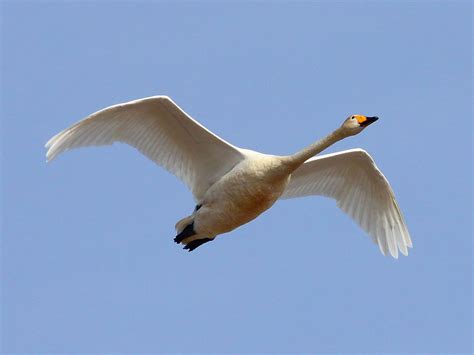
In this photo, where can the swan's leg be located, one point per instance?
(197, 243)
(187, 232)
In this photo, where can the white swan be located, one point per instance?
(232, 186)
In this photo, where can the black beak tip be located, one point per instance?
(369, 121)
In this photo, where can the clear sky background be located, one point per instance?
(88, 259)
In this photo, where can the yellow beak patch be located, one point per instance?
(361, 119)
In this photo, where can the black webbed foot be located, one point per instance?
(196, 243)
(186, 232)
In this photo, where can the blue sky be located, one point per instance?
(87, 257)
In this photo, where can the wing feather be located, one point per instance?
(361, 190)
(163, 132)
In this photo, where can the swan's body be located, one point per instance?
(241, 195)
(232, 186)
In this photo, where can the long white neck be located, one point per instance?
(300, 157)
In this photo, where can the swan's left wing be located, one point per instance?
(361, 190)
(163, 132)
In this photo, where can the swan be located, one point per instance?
(232, 186)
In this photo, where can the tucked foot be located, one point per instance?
(185, 233)
(196, 243)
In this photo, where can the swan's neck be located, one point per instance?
(300, 157)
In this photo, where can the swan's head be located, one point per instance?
(356, 123)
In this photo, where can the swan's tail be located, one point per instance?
(183, 223)
(187, 235)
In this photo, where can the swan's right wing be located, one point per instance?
(162, 131)
(360, 189)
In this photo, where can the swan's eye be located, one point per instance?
(353, 117)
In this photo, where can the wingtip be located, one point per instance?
(381, 250)
(51, 141)
(49, 158)
(50, 155)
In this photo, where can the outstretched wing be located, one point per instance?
(162, 131)
(361, 190)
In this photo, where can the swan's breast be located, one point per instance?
(242, 194)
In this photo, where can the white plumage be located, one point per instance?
(158, 128)
(360, 189)
(232, 186)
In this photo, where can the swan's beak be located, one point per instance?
(364, 121)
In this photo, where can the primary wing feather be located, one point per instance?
(162, 131)
(361, 190)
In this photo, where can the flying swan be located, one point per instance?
(231, 185)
